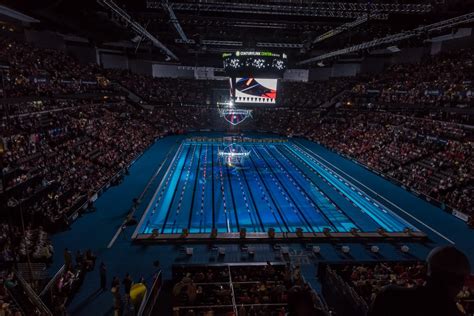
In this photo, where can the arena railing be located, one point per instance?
(53, 280)
(341, 295)
(151, 296)
(319, 302)
(33, 297)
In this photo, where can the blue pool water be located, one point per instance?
(281, 185)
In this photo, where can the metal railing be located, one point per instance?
(149, 300)
(35, 299)
(53, 280)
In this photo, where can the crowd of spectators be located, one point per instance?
(17, 245)
(369, 279)
(32, 71)
(56, 159)
(67, 283)
(429, 156)
(442, 80)
(311, 94)
(178, 92)
(14, 300)
(8, 305)
(167, 91)
(59, 152)
(251, 290)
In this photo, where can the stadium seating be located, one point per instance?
(355, 286)
(259, 289)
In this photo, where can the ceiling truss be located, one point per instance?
(320, 9)
(466, 18)
(134, 26)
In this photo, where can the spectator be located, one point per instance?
(447, 270)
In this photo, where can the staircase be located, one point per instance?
(332, 102)
(132, 96)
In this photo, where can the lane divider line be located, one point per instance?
(378, 195)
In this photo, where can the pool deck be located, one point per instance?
(96, 230)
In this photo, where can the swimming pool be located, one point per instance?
(280, 186)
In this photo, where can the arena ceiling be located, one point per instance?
(194, 31)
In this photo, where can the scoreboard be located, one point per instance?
(254, 76)
(252, 64)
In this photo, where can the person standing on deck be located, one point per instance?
(103, 276)
(127, 283)
(67, 259)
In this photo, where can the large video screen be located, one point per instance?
(255, 90)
